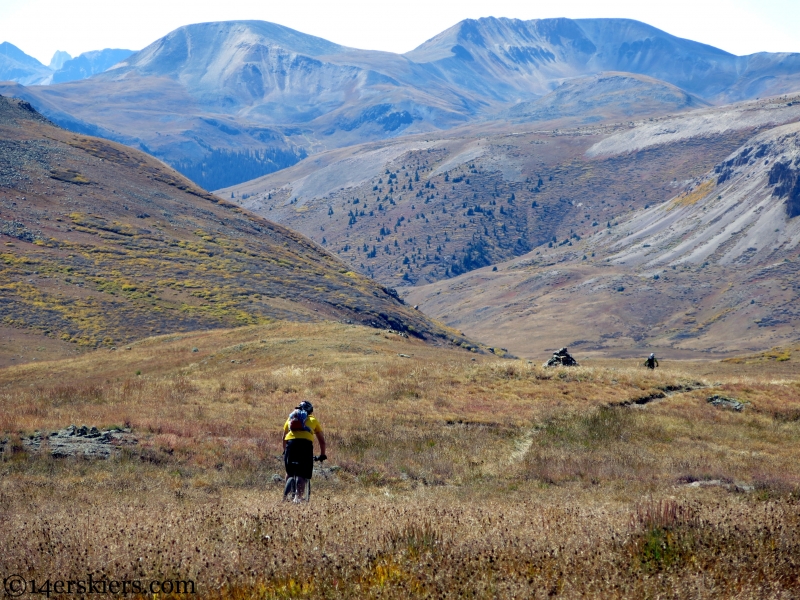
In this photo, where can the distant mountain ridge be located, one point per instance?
(238, 89)
(19, 67)
(540, 52)
(89, 63)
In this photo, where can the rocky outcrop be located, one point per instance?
(84, 441)
(561, 358)
(725, 402)
(787, 185)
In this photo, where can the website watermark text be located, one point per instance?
(16, 585)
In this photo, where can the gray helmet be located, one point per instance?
(653, 355)
(306, 406)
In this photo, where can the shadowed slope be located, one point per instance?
(604, 97)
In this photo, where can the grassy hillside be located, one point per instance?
(450, 475)
(101, 244)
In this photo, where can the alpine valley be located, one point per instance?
(496, 154)
(402, 241)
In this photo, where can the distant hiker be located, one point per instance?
(651, 362)
(298, 446)
(561, 358)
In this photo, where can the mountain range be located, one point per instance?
(21, 68)
(225, 102)
(595, 183)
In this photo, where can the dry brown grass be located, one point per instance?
(459, 475)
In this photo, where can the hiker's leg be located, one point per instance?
(288, 489)
(291, 463)
(301, 489)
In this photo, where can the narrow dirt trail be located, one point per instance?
(523, 443)
(521, 446)
(670, 390)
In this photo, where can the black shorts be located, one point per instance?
(299, 458)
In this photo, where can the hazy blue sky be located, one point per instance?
(40, 27)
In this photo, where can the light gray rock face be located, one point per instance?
(58, 60)
(743, 213)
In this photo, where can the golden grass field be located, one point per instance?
(451, 474)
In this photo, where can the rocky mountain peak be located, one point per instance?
(58, 60)
(200, 47)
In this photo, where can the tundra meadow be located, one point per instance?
(451, 474)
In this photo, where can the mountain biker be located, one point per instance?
(298, 448)
(651, 362)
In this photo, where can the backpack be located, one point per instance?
(297, 421)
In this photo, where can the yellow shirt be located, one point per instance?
(311, 423)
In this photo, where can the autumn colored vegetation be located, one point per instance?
(450, 474)
(102, 245)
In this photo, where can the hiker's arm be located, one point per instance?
(321, 438)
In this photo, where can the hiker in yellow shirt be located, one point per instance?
(298, 446)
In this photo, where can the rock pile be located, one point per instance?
(561, 358)
(725, 402)
(89, 442)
